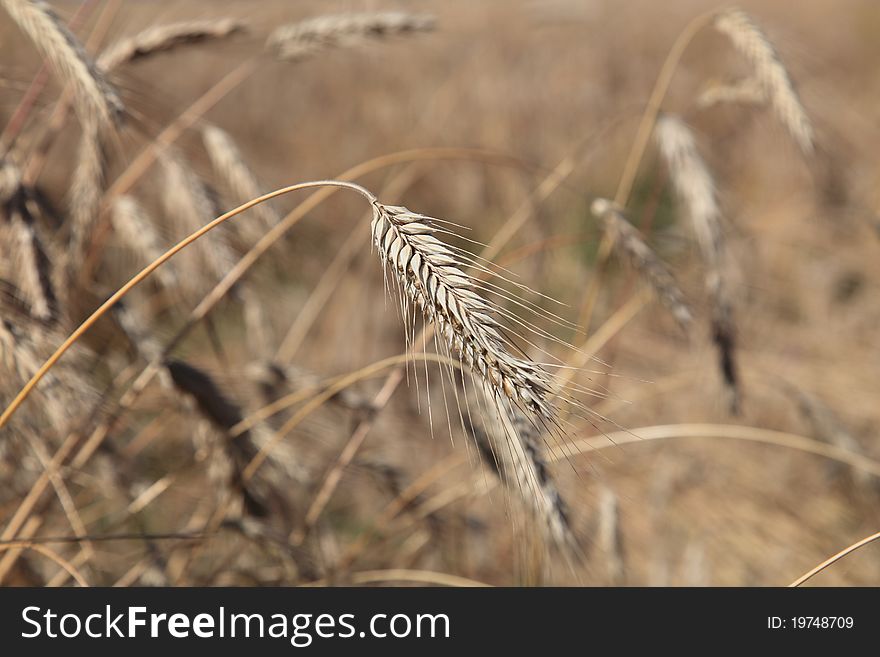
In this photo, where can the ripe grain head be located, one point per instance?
(299, 40)
(770, 72)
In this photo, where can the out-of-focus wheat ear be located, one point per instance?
(770, 72)
(86, 191)
(299, 40)
(223, 414)
(136, 230)
(33, 269)
(747, 91)
(189, 205)
(257, 324)
(724, 334)
(693, 183)
(10, 181)
(161, 38)
(430, 276)
(95, 99)
(483, 442)
(273, 382)
(610, 537)
(524, 468)
(237, 177)
(21, 246)
(827, 427)
(20, 358)
(137, 332)
(695, 189)
(630, 245)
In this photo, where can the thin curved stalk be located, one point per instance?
(837, 557)
(149, 269)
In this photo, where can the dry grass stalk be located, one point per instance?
(430, 276)
(136, 230)
(299, 40)
(95, 98)
(161, 38)
(770, 72)
(629, 243)
(237, 177)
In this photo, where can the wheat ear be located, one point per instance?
(189, 203)
(695, 189)
(135, 229)
(22, 246)
(630, 245)
(166, 37)
(747, 91)
(299, 40)
(430, 275)
(223, 414)
(693, 182)
(86, 191)
(95, 98)
(233, 171)
(770, 72)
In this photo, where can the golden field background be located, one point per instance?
(542, 82)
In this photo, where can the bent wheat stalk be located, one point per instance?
(426, 269)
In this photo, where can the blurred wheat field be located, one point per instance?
(683, 246)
